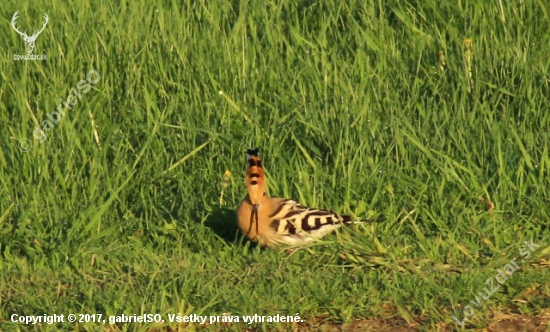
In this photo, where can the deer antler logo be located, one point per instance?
(29, 40)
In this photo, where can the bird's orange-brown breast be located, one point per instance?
(264, 233)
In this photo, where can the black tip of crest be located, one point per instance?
(253, 152)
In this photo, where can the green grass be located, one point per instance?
(118, 211)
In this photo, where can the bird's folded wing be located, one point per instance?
(290, 218)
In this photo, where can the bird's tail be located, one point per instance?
(349, 220)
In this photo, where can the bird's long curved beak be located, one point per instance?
(254, 217)
(255, 211)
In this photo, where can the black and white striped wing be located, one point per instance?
(292, 219)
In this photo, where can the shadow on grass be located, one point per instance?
(223, 222)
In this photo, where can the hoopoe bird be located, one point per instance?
(277, 221)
